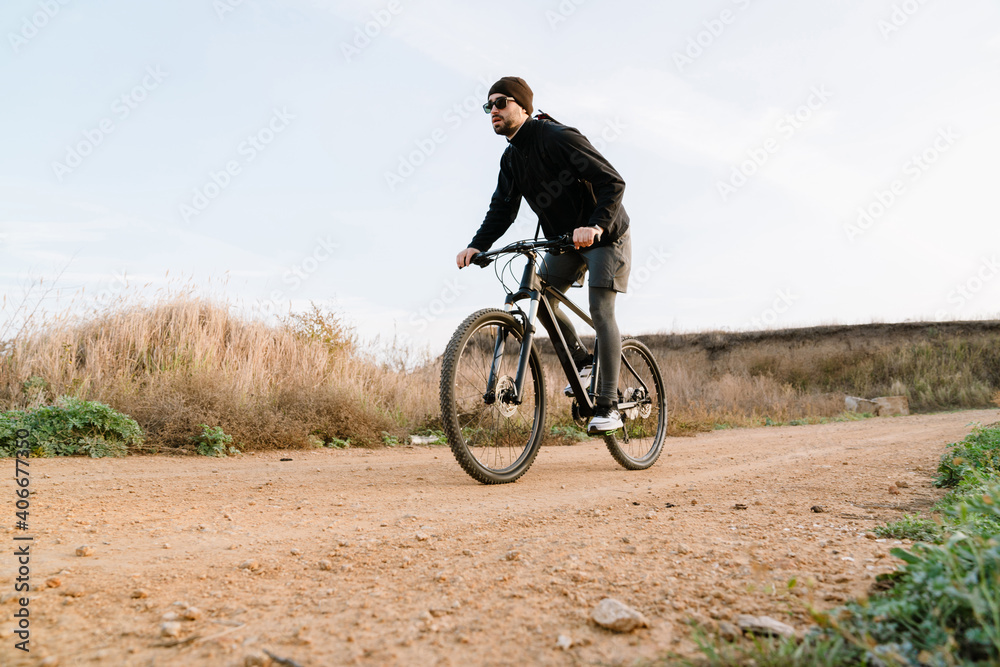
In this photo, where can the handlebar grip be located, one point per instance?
(563, 244)
(480, 260)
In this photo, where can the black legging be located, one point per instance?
(609, 346)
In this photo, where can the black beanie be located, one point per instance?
(515, 86)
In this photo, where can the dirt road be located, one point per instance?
(397, 557)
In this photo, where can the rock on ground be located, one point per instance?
(889, 406)
(764, 626)
(614, 615)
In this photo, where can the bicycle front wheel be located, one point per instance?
(643, 407)
(494, 436)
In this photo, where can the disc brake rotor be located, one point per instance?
(505, 391)
(645, 407)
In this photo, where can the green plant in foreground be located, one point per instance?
(944, 606)
(911, 527)
(571, 432)
(970, 493)
(214, 442)
(979, 451)
(71, 426)
(769, 652)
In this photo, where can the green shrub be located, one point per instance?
(572, 433)
(944, 608)
(214, 442)
(71, 426)
(766, 652)
(970, 491)
(911, 528)
(979, 451)
(944, 604)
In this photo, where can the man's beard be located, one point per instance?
(506, 127)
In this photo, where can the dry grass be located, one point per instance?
(187, 361)
(183, 361)
(937, 366)
(698, 401)
(720, 379)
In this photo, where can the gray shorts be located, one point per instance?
(609, 266)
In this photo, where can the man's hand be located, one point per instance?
(465, 257)
(583, 237)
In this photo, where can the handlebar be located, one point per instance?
(557, 246)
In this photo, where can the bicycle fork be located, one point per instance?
(524, 356)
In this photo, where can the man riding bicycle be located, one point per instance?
(573, 190)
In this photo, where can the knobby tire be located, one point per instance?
(495, 443)
(646, 434)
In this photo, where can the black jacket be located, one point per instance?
(566, 182)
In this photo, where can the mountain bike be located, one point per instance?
(493, 385)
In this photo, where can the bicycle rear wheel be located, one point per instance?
(493, 438)
(638, 444)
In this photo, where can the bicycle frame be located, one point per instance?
(539, 293)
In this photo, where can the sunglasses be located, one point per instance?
(500, 102)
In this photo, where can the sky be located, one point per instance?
(786, 164)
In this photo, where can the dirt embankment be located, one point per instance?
(396, 557)
(937, 365)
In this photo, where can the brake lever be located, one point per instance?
(565, 244)
(479, 260)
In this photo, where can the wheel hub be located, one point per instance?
(505, 396)
(645, 407)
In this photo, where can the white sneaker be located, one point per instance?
(605, 419)
(584, 374)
